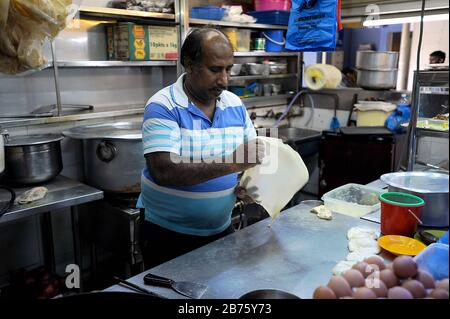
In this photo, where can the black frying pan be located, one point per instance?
(269, 294)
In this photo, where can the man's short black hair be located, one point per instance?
(192, 46)
(439, 54)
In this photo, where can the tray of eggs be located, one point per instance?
(373, 278)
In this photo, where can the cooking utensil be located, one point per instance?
(236, 69)
(188, 289)
(431, 187)
(277, 67)
(268, 294)
(427, 238)
(377, 79)
(376, 60)
(33, 159)
(132, 286)
(113, 158)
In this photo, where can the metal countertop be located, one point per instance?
(62, 192)
(297, 254)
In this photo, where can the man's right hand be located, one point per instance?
(249, 154)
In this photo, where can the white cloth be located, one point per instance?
(281, 174)
(32, 195)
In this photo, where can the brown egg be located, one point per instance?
(364, 293)
(340, 286)
(443, 284)
(389, 278)
(425, 278)
(415, 287)
(439, 293)
(376, 260)
(390, 266)
(362, 267)
(405, 267)
(377, 286)
(354, 278)
(399, 293)
(324, 292)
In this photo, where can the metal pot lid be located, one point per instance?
(33, 139)
(419, 182)
(116, 131)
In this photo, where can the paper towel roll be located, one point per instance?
(322, 76)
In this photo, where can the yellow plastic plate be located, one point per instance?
(401, 245)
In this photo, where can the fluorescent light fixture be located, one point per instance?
(414, 19)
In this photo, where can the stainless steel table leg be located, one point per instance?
(77, 242)
(48, 244)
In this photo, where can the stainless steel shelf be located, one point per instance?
(431, 133)
(97, 113)
(114, 13)
(263, 54)
(237, 25)
(109, 64)
(262, 77)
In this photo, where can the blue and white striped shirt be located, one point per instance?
(174, 124)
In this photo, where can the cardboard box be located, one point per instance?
(131, 42)
(163, 42)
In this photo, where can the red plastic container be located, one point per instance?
(397, 211)
(273, 5)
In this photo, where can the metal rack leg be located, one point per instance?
(77, 242)
(48, 243)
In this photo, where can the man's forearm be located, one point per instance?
(177, 173)
(186, 174)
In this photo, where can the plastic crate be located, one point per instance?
(434, 259)
(280, 17)
(207, 13)
(273, 4)
(353, 200)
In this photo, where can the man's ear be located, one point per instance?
(189, 67)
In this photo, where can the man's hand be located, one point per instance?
(249, 154)
(247, 195)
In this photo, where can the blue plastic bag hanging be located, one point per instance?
(313, 25)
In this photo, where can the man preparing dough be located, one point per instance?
(193, 133)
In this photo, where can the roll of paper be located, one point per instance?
(322, 76)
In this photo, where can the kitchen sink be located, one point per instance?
(304, 141)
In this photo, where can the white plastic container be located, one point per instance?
(373, 113)
(353, 200)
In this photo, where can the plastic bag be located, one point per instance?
(24, 26)
(401, 115)
(313, 25)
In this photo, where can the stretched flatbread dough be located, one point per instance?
(281, 174)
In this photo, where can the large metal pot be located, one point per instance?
(379, 80)
(376, 60)
(432, 187)
(113, 158)
(32, 159)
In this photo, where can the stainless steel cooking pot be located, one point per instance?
(377, 79)
(376, 60)
(32, 159)
(113, 158)
(432, 187)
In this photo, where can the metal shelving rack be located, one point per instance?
(181, 20)
(113, 15)
(186, 23)
(431, 85)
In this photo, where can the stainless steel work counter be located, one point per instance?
(296, 254)
(62, 192)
